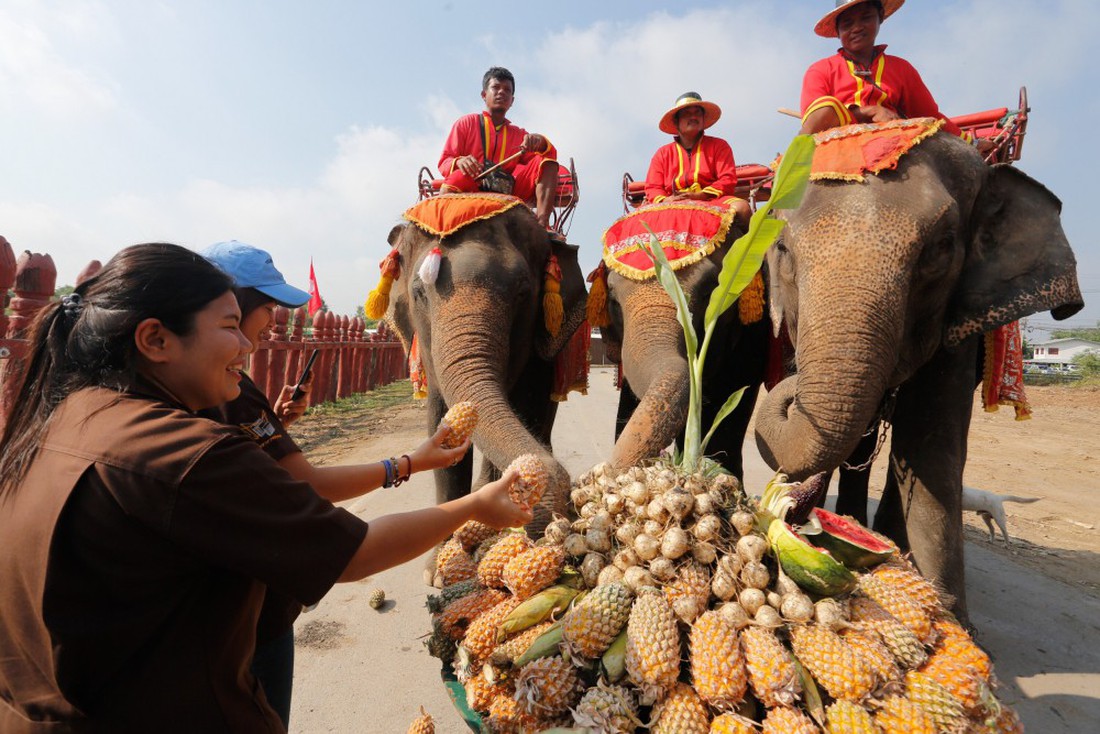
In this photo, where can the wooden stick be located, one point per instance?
(788, 112)
(504, 162)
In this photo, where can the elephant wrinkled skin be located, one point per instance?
(654, 400)
(890, 283)
(482, 338)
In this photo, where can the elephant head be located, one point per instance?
(482, 337)
(645, 333)
(886, 286)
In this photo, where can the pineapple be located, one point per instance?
(732, 724)
(717, 665)
(689, 591)
(901, 641)
(459, 614)
(899, 715)
(481, 635)
(547, 686)
(590, 627)
(1008, 722)
(772, 674)
(533, 479)
(376, 599)
(682, 712)
(899, 574)
(506, 717)
(783, 720)
(961, 667)
(461, 419)
(458, 567)
(832, 662)
(610, 709)
(492, 564)
(897, 601)
(870, 649)
(439, 644)
(448, 549)
(480, 692)
(938, 702)
(436, 603)
(423, 724)
(472, 533)
(652, 646)
(533, 570)
(845, 717)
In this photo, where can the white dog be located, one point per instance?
(990, 507)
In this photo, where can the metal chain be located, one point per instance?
(886, 411)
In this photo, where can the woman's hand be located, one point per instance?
(496, 509)
(432, 455)
(288, 410)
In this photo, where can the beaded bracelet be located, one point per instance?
(388, 466)
(399, 480)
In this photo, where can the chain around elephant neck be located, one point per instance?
(885, 412)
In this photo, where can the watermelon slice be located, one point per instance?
(847, 540)
(814, 569)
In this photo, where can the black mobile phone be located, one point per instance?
(305, 375)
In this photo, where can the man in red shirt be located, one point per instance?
(694, 165)
(861, 83)
(481, 140)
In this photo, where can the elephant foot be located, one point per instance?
(430, 575)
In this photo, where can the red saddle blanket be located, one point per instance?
(447, 213)
(847, 153)
(687, 231)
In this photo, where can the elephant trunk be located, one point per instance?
(656, 369)
(813, 421)
(470, 338)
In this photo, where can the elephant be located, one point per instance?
(482, 338)
(886, 286)
(646, 338)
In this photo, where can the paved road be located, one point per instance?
(359, 670)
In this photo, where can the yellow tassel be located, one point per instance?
(378, 300)
(750, 305)
(596, 309)
(552, 311)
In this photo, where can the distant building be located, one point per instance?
(1058, 354)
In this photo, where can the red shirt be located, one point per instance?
(890, 81)
(500, 142)
(709, 167)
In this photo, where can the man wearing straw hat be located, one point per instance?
(694, 165)
(861, 83)
(482, 143)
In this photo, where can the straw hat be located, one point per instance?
(711, 112)
(827, 26)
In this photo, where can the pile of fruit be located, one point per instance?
(675, 603)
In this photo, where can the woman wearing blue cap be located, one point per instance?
(259, 288)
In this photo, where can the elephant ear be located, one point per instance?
(397, 316)
(574, 298)
(1019, 261)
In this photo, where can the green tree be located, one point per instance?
(63, 291)
(1090, 334)
(1088, 364)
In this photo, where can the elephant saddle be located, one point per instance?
(848, 153)
(687, 231)
(445, 214)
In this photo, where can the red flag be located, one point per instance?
(315, 303)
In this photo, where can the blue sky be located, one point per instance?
(300, 127)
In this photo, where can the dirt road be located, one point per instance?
(1035, 602)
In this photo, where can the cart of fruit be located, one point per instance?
(676, 602)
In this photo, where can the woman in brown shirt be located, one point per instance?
(139, 537)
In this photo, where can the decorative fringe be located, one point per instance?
(378, 300)
(596, 310)
(417, 375)
(429, 266)
(571, 365)
(750, 304)
(552, 311)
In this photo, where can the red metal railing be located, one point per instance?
(351, 360)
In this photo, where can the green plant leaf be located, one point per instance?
(667, 277)
(793, 174)
(740, 265)
(731, 403)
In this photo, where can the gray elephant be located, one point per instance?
(644, 330)
(482, 337)
(887, 286)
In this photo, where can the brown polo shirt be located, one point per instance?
(135, 556)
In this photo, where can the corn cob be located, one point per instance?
(505, 653)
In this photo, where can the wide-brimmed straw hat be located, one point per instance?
(711, 112)
(827, 26)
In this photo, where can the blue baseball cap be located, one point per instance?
(251, 267)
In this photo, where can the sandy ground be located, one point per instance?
(1036, 602)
